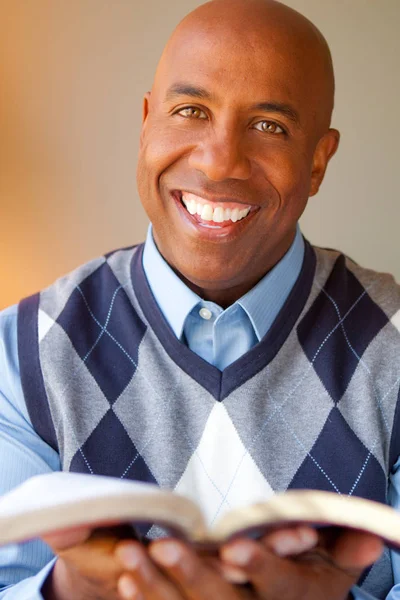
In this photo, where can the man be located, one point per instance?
(227, 358)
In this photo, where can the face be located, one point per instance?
(231, 149)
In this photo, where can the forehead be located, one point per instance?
(235, 68)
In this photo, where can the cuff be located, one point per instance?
(30, 588)
(357, 594)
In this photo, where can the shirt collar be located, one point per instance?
(261, 304)
(179, 300)
(264, 301)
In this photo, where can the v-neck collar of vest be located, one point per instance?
(221, 383)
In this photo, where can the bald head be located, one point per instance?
(235, 129)
(251, 26)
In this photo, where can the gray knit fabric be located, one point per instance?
(307, 418)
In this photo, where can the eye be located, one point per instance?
(192, 112)
(268, 127)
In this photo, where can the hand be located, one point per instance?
(286, 565)
(171, 570)
(99, 566)
(87, 567)
(297, 564)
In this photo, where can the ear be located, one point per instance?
(145, 113)
(324, 151)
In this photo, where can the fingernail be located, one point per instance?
(167, 554)
(309, 538)
(130, 557)
(295, 543)
(234, 575)
(238, 554)
(285, 545)
(128, 590)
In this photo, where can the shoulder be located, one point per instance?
(111, 261)
(101, 275)
(10, 383)
(343, 276)
(8, 334)
(8, 316)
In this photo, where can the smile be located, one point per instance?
(223, 213)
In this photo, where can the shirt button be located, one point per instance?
(205, 314)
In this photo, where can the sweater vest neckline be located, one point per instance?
(221, 383)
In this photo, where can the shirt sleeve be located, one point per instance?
(23, 567)
(394, 500)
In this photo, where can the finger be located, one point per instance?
(141, 579)
(290, 542)
(270, 575)
(191, 573)
(62, 539)
(285, 542)
(65, 538)
(128, 589)
(354, 550)
(232, 574)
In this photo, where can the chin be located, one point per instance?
(211, 276)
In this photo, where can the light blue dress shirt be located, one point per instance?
(221, 336)
(209, 333)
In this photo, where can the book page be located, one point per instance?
(62, 488)
(313, 507)
(56, 501)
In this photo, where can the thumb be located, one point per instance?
(356, 550)
(66, 538)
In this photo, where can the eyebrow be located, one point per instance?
(186, 89)
(278, 107)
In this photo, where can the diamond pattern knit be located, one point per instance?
(314, 404)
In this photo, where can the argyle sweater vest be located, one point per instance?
(313, 405)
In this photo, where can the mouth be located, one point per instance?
(214, 214)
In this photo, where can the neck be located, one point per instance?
(222, 297)
(225, 293)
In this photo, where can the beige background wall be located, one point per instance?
(72, 73)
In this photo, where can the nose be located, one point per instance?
(221, 156)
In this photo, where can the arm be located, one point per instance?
(394, 500)
(23, 568)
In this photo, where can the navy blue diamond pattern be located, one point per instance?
(111, 453)
(338, 328)
(339, 462)
(108, 344)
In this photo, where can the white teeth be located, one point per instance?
(218, 215)
(192, 207)
(207, 213)
(235, 215)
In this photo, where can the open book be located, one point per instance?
(56, 501)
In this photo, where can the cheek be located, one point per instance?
(152, 161)
(156, 155)
(161, 149)
(289, 172)
(162, 146)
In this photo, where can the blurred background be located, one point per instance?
(72, 77)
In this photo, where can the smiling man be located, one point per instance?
(226, 357)
(235, 139)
